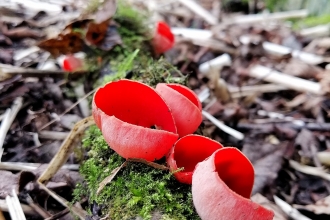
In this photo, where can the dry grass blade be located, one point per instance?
(289, 210)
(66, 149)
(26, 209)
(109, 178)
(151, 164)
(69, 109)
(9, 117)
(82, 214)
(314, 171)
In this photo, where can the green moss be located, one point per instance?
(137, 190)
(311, 21)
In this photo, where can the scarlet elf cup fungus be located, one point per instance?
(185, 106)
(187, 152)
(222, 185)
(126, 112)
(163, 38)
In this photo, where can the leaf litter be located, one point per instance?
(298, 134)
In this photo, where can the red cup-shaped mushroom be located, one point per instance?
(185, 105)
(163, 39)
(222, 185)
(135, 121)
(187, 152)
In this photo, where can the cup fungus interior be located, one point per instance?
(135, 103)
(187, 93)
(192, 149)
(235, 170)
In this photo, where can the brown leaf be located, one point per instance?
(96, 32)
(111, 39)
(64, 44)
(10, 181)
(267, 161)
(106, 12)
(109, 178)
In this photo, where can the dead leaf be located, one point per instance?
(267, 161)
(151, 164)
(111, 39)
(109, 178)
(301, 69)
(106, 12)
(6, 56)
(261, 200)
(21, 32)
(320, 207)
(307, 141)
(96, 32)
(64, 44)
(10, 181)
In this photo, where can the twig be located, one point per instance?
(18, 166)
(236, 134)
(66, 149)
(314, 171)
(82, 214)
(14, 207)
(26, 209)
(68, 109)
(53, 135)
(238, 92)
(317, 31)
(29, 72)
(269, 75)
(9, 117)
(289, 210)
(199, 10)
(37, 208)
(109, 178)
(246, 19)
(216, 63)
(83, 104)
(191, 33)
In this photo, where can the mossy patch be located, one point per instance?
(137, 190)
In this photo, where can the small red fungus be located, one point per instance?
(163, 39)
(71, 63)
(185, 106)
(135, 121)
(222, 185)
(187, 152)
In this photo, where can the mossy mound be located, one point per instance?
(138, 190)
